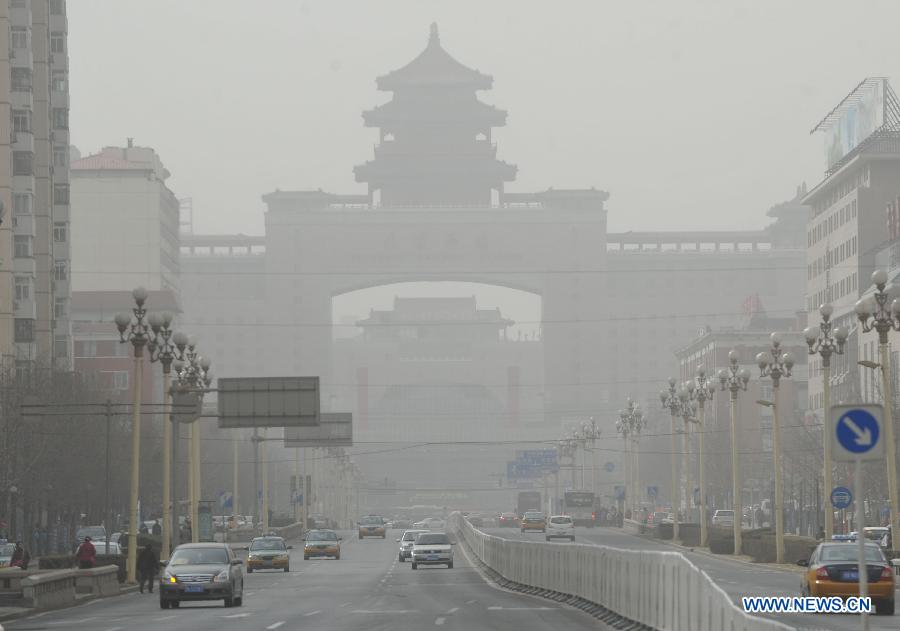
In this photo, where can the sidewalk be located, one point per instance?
(8, 614)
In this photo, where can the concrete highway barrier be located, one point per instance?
(659, 589)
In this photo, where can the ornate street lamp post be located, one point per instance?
(875, 315)
(776, 365)
(671, 401)
(630, 424)
(826, 341)
(700, 390)
(591, 431)
(735, 379)
(136, 331)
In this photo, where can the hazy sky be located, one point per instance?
(692, 113)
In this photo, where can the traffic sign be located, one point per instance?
(652, 492)
(610, 467)
(856, 432)
(841, 497)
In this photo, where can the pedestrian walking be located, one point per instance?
(157, 529)
(86, 554)
(147, 567)
(20, 557)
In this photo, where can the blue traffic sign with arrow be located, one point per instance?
(856, 432)
(841, 497)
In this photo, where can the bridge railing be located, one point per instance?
(660, 589)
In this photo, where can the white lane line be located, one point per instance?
(471, 602)
(521, 608)
(162, 618)
(346, 604)
(249, 593)
(387, 611)
(115, 629)
(275, 626)
(440, 621)
(452, 611)
(237, 615)
(313, 613)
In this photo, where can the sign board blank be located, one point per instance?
(333, 430)
(268, 401)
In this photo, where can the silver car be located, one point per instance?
(202, 571)
(432, 548)
(406, 543)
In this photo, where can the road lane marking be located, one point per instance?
(114, 629)
(495, 608)
(237, 615)
(346, 604)
(313, 613)
(454, 610)
(162, 618)
(440, 621)
(275, 626)
(471, 602)
(387, 611)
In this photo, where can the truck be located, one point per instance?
(528, 500)
(579, 505)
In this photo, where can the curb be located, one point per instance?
(26, 612)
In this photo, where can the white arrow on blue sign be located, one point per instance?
(841, 497)
(856, 432)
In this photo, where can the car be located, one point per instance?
(509, 520)
(657, 517)
(534, 520)
(371, 526)
(560, 527)
(113, 547)
(322, 543)
(831, 570)
(723, 518)
(432, 548)
(430, 523)
(202, 571)
(402, 524)
(406, 543)
(96, 533)
(6, 552)
(268, 553)
(668, 519)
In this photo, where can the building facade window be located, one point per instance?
(24, 330)
(22, 203)
(22, 246)
(60, 307)
(23, 288)
(60, 118)
(20, 79)
(120, 380)
(60, 157)
(21, 120)
(60, 271)
(61, 348)
(23, 163)
(57, 7)
(60, 232)
(59, 81)
(57, 42)
(61, 194)
(19, 37)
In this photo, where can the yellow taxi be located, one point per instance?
(372, 526)
(534, 520)
(832, 570)
(322, 543)
(268, 553)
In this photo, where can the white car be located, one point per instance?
(432, 548)
(430, 523)
(560, 527)
(723, 518)
(406, 543)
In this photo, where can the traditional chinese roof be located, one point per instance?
(434, 67)
(469, 110)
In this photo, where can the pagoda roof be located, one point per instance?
(434, 67)
(411, 112)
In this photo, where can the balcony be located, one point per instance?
(24, 266)
(25, 309)
(23, 141)
(24, 225)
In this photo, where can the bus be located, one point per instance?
(528, 500)
(579, 505)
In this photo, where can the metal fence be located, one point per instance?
(660, 589)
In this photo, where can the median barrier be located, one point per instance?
(98, 581)
(689, 534)
(49, 590)
(658, 589)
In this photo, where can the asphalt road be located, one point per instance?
(736, 578)
(367, 590)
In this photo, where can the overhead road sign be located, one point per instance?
(268, 402)
(841, 497)
(335, 429)
(538, 457)
(856, 432)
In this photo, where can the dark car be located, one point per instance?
(202, 571)
(509, 520)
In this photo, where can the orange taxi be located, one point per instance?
(534, 520)
(832, 570)
(268, 553)
(322, 543)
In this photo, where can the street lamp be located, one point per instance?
(630, 423)
(874, 314)
(826, 341)
(776, 365)
(136, 331)
(700, 390)
(165, 347)
(735, 379)
(672, 402)
(590, 431)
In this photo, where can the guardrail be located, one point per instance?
(659, 589)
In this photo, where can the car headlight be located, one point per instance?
(169, 578)
(221, 577)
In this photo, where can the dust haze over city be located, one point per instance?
(516, 289)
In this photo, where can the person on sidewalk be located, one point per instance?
(20, 557)
(86, 555)
(147, 567)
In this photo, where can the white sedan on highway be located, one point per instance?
(432, 548)
(560, 527)
(429, 523)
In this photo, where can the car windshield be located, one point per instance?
(534, 516)
(842, 553)
(321, 535)
(267, 544)
(94, 532)
(199, 556)
(371, 521)
(410, 535)
(560, 520)
(432, 539)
